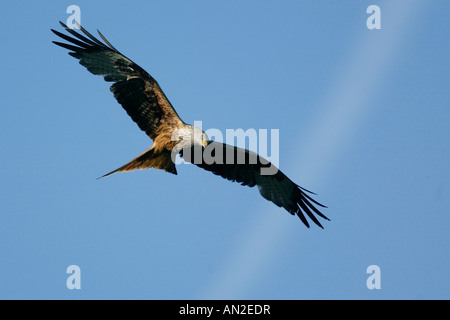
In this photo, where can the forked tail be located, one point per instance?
(149, 159)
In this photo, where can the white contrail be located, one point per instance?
(344, 110)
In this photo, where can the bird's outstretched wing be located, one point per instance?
(137, 91)
(245, 167)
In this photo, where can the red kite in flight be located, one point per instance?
(145, 102)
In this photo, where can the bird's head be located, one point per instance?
(189, 136)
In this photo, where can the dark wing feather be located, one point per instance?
(137, 91)
(243, 166)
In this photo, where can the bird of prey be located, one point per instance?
(147, 105)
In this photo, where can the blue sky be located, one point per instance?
(363, 121)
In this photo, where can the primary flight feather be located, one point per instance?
(145, 102)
